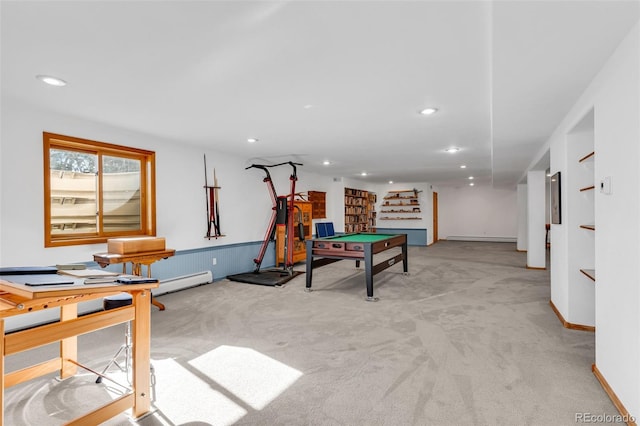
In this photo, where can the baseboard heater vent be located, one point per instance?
(171, 285)
(487, 239)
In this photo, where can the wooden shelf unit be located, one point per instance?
(371, 211)
(318, 203)
(304, 215)
(358, 214)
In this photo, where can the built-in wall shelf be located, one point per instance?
(588, 157)
(591, 273)
(576, 289)
(405, 201)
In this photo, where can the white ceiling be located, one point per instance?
(214, 73)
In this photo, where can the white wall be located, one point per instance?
(478, 212)
(522, 217)
(617, 216)
(536, 246)
(245, 205)
(614, 95)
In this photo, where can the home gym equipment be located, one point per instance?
(282, 215)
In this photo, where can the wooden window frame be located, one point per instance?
(147, 189)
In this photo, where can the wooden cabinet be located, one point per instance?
(318, 204)
(302, 213)
(357, 211)
(401, 205)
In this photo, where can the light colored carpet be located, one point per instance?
(468, 338)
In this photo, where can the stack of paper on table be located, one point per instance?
(92, 276)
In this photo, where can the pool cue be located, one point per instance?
(216, 197)
(206, 192)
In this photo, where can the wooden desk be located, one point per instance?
(18, 299)
(136, 260)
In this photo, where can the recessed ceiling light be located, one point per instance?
(471, 184)
(50, 80)
(470, 177)
(326, 162)
(252, 140)
(463, 167)
(308, 106)
(390, 181)
(363, 174)
(429, 111)
(452, 150)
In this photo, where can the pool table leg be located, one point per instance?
(405, 258)
(368, 271)
(309, 244)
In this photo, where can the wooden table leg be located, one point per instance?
(154, 301)
(141, 353)
(68, 346)
(1, 372)
(157, 304)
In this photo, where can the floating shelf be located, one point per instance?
(591, 273)
(587, 188)
(587, 157)
(398, 197)
(400, 218)
(400, 211)
(388, 204)
(589, 227)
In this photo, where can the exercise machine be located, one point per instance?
(282, 215)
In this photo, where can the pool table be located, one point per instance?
(359, 247)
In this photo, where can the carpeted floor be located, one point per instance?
(468, 338)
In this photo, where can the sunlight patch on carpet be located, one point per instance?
(254, 378)
(183, 398)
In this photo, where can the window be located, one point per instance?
(95, 190)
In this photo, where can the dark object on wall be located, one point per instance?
(213, 211)
(556, 212)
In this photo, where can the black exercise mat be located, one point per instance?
(266, 277)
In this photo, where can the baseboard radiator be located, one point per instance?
(171, 285)
(487, 239)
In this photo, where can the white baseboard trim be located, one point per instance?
(180, 283)
(488, 239)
